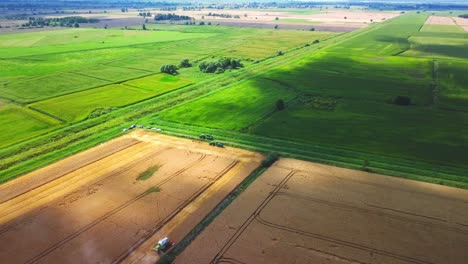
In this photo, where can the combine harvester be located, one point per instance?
(163, 245)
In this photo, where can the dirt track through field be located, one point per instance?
(100, 212)
(301, 212)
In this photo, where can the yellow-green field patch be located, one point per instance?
(20, 123)
(78, 106)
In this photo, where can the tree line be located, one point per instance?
(220, 66)
(72, 21)
(223, 15)
(172, 17)
(207, 67)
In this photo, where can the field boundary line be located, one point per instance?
(63, 121)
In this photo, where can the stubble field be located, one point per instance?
(303, 212)
(103, 204)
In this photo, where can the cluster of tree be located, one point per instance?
(192, 8)
(313, 42)
(220, 66)
(172, 17)
(145, 14)
(169, 8)
(124, 9)
(185, 63)
(169, 69)
(72, 21)
(463, 16)
(223, 15)
(172, 69)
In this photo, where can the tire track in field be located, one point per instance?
(351, 244)
(375, 212)
(382, 186)
(112, 212)
(343, 243)
(22, 202)
(97, 183)
(163, 222)
(231, 261)
(220, 255)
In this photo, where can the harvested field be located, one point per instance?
(336, 21)
(462, 22)
(93, 207)
(441, 24)
(438, 20)
(302, 212)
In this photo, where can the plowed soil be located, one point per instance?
(91, 208)
(302, 212)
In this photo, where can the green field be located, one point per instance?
(344, 99)
(340, 94)
(73, 74)
(233, 108)
(19, 123)
(78, 106)
(59, 41)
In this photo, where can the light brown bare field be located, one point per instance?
(350, 17)
(327, 20)
(438, 20)
(91, 208)
(462, 22)
(302, 212)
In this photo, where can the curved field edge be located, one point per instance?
(36, 153)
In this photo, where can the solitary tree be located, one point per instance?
(280, 105)
(402, 100)
(143, 27)
(276, 26)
